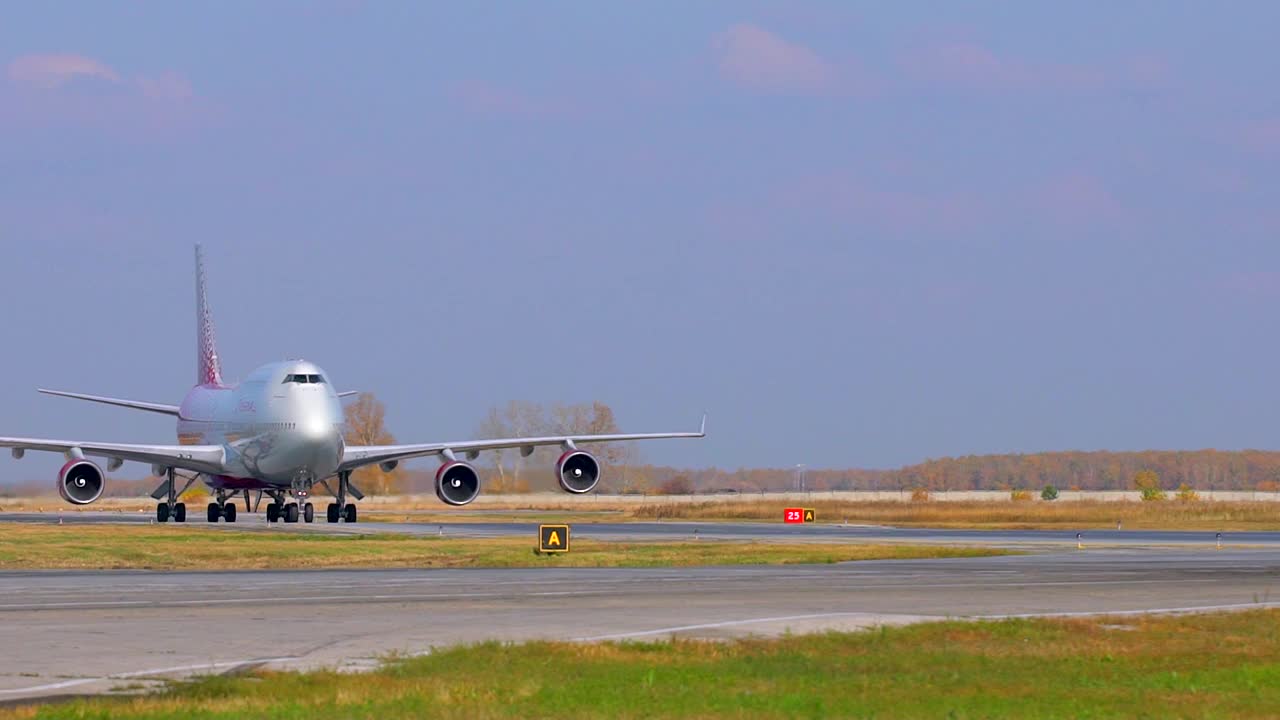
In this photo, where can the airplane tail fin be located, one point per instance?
(209, 368)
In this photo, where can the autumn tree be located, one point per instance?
(1187, 494)
(678, 485)
(366, 426)
(1147, 482)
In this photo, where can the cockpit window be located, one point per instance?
(304, 379)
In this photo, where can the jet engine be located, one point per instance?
(80, 482)
(578, 472)
(457, 483)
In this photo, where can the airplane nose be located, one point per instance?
(325, 441)
(317, 430)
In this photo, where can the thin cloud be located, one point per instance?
(1078, 199)
(1251, 284)
(966, 65)
(866, 202)
(52, 90)
(482, 97)
(168, 85)
(52, 71)
(754, 58)
(1263, 136)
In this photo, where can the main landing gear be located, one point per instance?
(170, 507)
(221, 509)
(342, 510)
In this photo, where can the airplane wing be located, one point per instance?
(200, 458)
(135, 404)
(355, 456)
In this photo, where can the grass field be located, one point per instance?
(982, 514)
(1201, 666)
(1168, 515)
(167, 547)
(1063, 514)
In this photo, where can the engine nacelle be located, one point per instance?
(457, 483)
(80, 482)
(578, 472)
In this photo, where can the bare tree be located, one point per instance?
(493, 426)
(526, 419)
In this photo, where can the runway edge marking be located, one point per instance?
(144, 673)
(817, 616)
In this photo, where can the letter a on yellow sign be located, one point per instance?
(553, 538)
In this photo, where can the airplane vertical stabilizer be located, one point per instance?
(209, 369)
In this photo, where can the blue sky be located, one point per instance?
(858, 234)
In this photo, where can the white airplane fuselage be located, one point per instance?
(275, 429)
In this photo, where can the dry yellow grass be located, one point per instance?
(1199, 515)
(1007, 514)
(1083, 514)
(170, 547)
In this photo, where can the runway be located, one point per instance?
(78, 632)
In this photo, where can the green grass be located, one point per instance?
(1205, 666)
(171, 547)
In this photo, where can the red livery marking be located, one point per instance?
(793, 515)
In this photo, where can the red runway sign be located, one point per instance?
(793, 515)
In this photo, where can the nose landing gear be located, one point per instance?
(292, 511)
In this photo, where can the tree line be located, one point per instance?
(1102, 470)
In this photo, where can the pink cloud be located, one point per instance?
(45, 91)
(968, 65)
(167, 85)
(1258, 283)
(863, 202)
(755, 58)
(483, 97)
(906, 205)
(1263, 136)
(51, 71)
(1077, 199)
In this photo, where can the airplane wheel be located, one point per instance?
(229, 512)
(213, 512)
(291, 513)
(180, 512)
(331, 513)
(273, 512)
(309, 512)
(162, 512)
(350, 514)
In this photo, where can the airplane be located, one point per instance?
(280, 432)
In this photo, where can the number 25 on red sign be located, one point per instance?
(793, 515)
